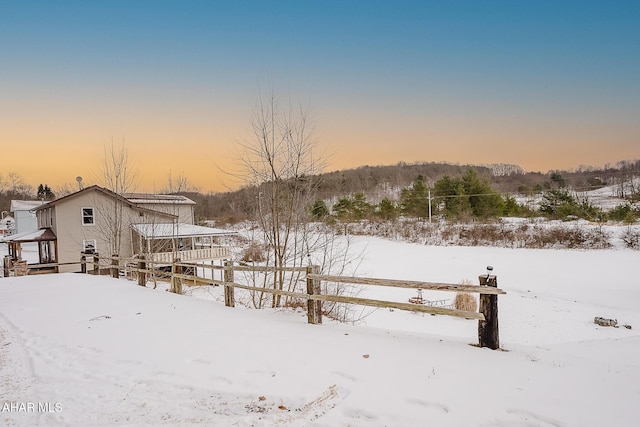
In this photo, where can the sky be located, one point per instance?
(545, 84)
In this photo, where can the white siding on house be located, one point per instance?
(73, 233)
(25, 219)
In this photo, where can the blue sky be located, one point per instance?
(542, 84)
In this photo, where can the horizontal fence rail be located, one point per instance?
(400, 306)
(183, 272)
(408, 284)
(488, 290)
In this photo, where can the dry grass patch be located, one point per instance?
(465, 301)
(254, 253)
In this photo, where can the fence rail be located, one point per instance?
(487, 316)
(142, 270)
(408, 284)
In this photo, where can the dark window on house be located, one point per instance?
(89, 246)
(87, 216)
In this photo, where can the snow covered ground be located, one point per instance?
(606, 198)
(93, 351)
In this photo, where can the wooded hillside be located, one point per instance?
(378, 182)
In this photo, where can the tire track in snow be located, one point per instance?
(16, 370)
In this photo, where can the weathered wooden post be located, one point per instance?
(96, 264)
(314, 307)
(83, 264)
(7, 265)
(142, 275)
(176, 283)
(488, 334)
(114, 266)
(229, 299)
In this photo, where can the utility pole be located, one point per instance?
(429, 197)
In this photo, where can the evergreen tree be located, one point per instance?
(360, 208)
(342, 208)
(353, 208)
(414, 201)
(558, 203)
(468, 195)
(319, 210)
(386, 210)
(484, 202)
(45, 193)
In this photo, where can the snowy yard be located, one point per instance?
(94, 351)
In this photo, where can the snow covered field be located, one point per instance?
(93, 351)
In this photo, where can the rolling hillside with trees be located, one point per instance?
(384, 193)
(457, 192)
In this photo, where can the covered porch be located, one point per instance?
(164, 243)
(47, 253)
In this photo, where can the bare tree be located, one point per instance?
(120, 177)
(15, 184)
(66, 189)
(280, 160)
(178, 184)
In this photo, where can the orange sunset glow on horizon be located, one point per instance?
(534, 86)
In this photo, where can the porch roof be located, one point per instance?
(42, 235)
(180, 230)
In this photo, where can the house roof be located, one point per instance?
(44, 234)
(24, 205)
(107, 193)
(7, 220)
(169, 199)
(180, 230)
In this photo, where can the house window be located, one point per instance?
(50, 217)
(87, 216)
(89, 246)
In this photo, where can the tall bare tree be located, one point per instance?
(281, 160)
(16, 184)
(120, 177)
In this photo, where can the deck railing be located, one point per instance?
(218, 252)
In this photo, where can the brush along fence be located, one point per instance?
(182, 273)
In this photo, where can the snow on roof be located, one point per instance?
(180, 230)
(25, 205)
(44, 234)
(170, 199)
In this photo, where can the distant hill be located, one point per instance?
(381, 181)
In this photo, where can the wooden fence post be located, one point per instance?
(6, 265)
(83, 264)
(114, 266)
(488, 333)
(229, 299)
(176, 283)
(142, 275)
(314, 307)
(96, 264)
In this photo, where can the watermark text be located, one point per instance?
(30, 407)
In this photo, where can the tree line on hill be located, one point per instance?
(457, 192)
(14, 187)
(388, 192)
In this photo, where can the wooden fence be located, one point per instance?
(184, 273)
